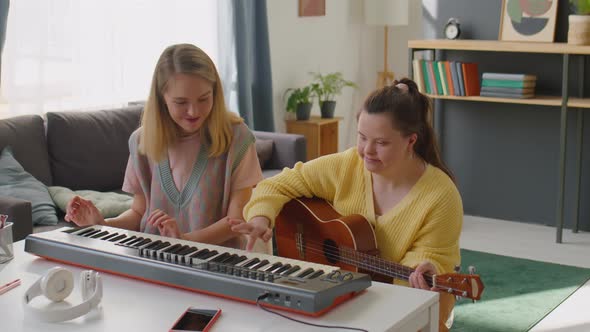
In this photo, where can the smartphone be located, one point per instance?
(195, 319)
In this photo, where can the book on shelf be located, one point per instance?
(508, 84)
(449, 77)
(507, 90)
(418, 75)
(507, 95)
(509, 77)
(459, 70)
(454, 78)
(442, 74)
(471, 78)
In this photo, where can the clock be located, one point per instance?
(452, 29)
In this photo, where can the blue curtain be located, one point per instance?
(4, 4)
(254, 82)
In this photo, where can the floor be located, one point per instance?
(537, 242)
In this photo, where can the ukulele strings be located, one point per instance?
(363, 260)
(363, 263)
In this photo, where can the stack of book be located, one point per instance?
(508, 85)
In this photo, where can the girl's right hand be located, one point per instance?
(83, 212)
(256, 228)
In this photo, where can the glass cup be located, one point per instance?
(6, 252)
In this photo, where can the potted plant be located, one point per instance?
(579, 22)
(326, 87)
(299, 101)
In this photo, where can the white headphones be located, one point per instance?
(56, 285)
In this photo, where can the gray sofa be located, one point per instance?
(89, 151)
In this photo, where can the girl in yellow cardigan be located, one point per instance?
(395, 179)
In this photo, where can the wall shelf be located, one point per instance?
(563, 101)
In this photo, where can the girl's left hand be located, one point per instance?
(165, 224)
(417, 277)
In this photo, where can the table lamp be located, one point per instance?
(386, 13)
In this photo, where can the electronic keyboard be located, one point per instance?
(282, 283)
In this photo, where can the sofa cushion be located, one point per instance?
(18, 183)
(89, 150)
(110, 204)
(264, 151)
(26, 135)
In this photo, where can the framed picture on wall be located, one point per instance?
(528, 20)
(312, 7)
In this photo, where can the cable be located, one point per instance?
(265, 295)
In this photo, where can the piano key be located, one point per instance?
(291, 270)
(141, 243)
(274, 266)
(99, 234)
(260, 264)
(74, 230)
(85, 231)
(251, 262)
(187, 250)
(305, 273)
(109, 236)
(132, 243)
(282, 269)
(237, 260)
(117, 238)
(129, 239)
(316, 274)
(89, 234)
(210, 254)
(220, 258)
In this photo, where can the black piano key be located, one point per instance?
(274, 266)
(86, 231)
(210, 254)
(73, 230)
(292, 270)
(236, 260)
(172, 248)
(199, 254)
(187, 250)
(282, 269)
(305, 273)
(135, 241)
(117, 238)
(251, 262)
(142, 243)
(260, 264)
(109, 236)
(101, 234)
(316, 274)
(129, 239)
(220, 258)
(161, 246)
(89, 234)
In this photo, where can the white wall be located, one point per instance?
(338, 41)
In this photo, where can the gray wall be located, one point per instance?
(505, 156)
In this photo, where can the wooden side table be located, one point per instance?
(321, 134)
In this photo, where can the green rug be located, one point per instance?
(518, 292)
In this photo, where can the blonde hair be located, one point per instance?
(159, 131)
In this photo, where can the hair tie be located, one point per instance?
(402, 86)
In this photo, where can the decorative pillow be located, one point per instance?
(264, 151)
(18, 183)
(110, 204)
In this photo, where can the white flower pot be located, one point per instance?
(579, 30)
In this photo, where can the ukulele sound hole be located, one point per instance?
(331, 251)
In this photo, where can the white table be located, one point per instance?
(132, 305)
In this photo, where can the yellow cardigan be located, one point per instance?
(424, 225)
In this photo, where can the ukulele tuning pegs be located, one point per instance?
(457, 268)
(472, 269)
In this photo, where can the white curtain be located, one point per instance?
(92, 54)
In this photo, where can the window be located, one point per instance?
(82, 55)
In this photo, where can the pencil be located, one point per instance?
(5, 288)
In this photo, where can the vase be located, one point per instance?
(579, 30)
(303, 111)
(327, 109)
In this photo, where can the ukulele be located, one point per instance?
(309, 229)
